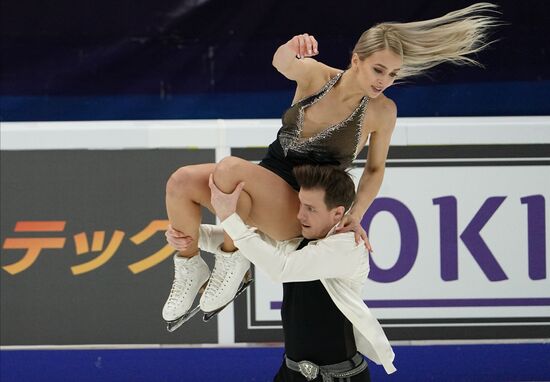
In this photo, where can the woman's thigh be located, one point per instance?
(274, 203)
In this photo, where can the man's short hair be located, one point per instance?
(337, 183)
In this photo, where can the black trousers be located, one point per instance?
(286, 375)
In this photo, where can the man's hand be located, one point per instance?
(177, 239)
(224, 204)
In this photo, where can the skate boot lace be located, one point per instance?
(180, 286)
(218, 276)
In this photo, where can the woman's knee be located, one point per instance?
(182, 181)
(228, 172)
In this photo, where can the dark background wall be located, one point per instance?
(67, 60)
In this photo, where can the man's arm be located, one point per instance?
(210, 237)
(337, 256)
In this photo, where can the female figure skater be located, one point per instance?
(333, 114)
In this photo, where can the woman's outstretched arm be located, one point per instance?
(373, 173)
(290, 58)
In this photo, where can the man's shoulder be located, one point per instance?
(344, 240)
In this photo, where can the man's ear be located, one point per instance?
(339, 214)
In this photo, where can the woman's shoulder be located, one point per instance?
(320, 68)
(320, 71)
(384, 104)
(383, 111)
(318, 75)
(325, 73)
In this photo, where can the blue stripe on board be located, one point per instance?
(479, 99)
(502, 362)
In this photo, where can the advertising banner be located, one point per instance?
(460, 249)
(460, 241)
(84, 258)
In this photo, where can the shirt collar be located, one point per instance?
(332, 230)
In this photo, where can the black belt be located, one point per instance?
(345, 369)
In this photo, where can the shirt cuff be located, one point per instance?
(389, 368)
(234, 226)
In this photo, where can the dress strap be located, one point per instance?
(311, 99)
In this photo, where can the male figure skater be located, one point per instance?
(327, 327)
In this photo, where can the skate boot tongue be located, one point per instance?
(228, 261)
(185, 265)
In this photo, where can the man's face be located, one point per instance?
(314, 216)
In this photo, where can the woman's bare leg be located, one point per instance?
(186, 191)
(269, 203)
(266, 202)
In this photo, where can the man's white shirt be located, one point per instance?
(337, 261)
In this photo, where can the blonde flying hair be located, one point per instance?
(425, 44)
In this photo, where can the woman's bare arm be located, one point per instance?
(291, 59)
(373, 174)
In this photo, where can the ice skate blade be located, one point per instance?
(207, 316)
(171, 326)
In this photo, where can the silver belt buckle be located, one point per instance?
(308, 370)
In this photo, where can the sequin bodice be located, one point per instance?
(339, 142)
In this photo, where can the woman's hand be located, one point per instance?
(351, 223)
(304, 45)
(177, 240)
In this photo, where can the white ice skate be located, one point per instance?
(191, 275)
(230, 277)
